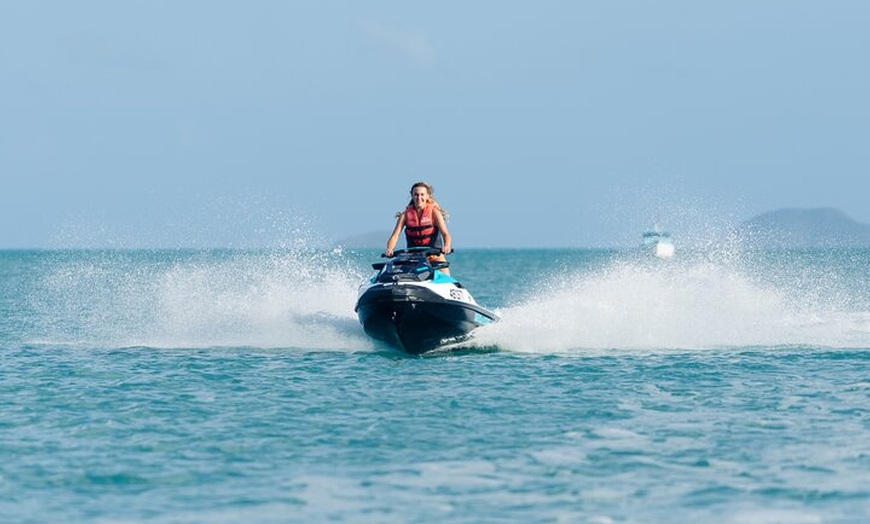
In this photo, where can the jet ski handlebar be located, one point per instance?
(416, 256)
(424, 251)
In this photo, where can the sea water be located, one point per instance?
(238, 386)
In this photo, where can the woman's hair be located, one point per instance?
(431, 190)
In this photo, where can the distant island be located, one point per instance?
(804, 228)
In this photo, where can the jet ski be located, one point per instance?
(414, 307)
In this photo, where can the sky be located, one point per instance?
(204, 123)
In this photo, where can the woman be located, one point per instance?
(424, 223)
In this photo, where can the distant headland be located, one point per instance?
(804, 228)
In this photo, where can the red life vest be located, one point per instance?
(420, 229)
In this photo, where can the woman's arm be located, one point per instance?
(442, 227)
(391, 243)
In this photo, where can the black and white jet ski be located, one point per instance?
(416, 308)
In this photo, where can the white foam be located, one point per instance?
(294, 298)
(287, 299)
(690, 305)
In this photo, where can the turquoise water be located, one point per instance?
(238, 386)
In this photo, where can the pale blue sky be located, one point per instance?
(215, 123)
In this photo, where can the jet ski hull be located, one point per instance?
(417, 319)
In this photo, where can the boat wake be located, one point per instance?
(305, 300)
(197, 300)
(686, 306)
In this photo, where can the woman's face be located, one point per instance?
(420, 195)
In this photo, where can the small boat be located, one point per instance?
(414, 307)
(660, 243)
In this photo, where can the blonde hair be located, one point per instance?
(431, 190)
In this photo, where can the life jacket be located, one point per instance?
(420, 230)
